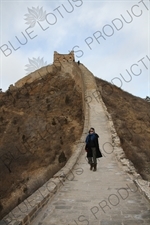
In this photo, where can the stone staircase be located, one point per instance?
(78, 196)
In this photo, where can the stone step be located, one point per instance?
(105, 197)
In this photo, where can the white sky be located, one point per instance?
(108, 57)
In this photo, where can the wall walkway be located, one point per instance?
(78, 196)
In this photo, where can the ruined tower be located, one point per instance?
(62, 58)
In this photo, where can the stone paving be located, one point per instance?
(105, 197)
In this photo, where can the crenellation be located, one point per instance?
(62, 58)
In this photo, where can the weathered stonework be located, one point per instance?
(38, 74)
(127, 165)
(62, 58)
(26, 211)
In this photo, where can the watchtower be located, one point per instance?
(62, 58)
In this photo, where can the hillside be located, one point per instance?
(39, 124)
(131, 117)
(41, 121)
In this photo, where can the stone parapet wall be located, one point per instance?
(26, 211)
(59, 59)
(38, 74)
(127, 165)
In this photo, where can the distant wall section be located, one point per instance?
(62, 58)
(38, 74)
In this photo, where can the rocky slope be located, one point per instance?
(39, 124)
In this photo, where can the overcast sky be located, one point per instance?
(111, 38)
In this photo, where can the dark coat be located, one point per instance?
(96, 145)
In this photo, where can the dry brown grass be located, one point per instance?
(37, 123)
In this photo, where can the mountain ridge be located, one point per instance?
(44, 117)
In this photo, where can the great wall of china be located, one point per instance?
(35, 209)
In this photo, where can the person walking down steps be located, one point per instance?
(92, 149)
